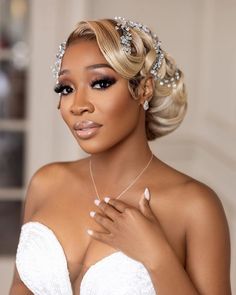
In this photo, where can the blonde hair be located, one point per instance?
(168, 105)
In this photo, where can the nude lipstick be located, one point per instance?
(86, 129)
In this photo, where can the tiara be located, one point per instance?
(126, 42)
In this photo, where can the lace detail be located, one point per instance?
(117, 274)
(42, 266)
(41, 262)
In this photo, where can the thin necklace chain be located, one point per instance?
(129, 186)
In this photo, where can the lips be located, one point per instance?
(86, 129)
(86, 125)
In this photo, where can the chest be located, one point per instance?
(69, 218)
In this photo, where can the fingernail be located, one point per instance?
(97, 202)
(89, 231)
(147, 194)
(107, 199)
(92, 213)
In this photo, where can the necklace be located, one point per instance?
(129, 186)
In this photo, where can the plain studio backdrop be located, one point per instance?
(199, 34)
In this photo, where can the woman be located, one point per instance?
(120, 221)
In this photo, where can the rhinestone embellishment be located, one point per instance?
(57, 66)
(126, 42)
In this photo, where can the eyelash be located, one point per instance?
(104, 83)
(59, 88)
(106, 80)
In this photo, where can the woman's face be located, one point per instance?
(91, 90)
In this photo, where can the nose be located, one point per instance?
(81, 104)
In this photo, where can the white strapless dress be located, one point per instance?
(42, 266)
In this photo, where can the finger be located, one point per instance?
(117, 204)
(104, 221)
(100, 236)
(147, 194)
(109, 210)
(144, 204)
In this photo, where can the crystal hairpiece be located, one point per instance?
(126, 37)
(57, 66)
(126, 40)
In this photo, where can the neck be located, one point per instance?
(119, 165)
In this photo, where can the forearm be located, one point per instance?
(169, 276)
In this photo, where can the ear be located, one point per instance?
(146, 89)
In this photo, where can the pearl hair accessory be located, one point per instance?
(126, 42)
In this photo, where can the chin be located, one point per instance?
(90, 147)
(96, 147)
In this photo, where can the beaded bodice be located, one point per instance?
(42, 266)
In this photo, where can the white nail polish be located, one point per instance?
(97, 202)
(92, 213)
(147, 194)
(107, 199)
(89, 231)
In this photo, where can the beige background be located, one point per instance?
(200, 35)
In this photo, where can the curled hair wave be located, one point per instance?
(168, 105)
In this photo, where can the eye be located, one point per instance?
(103, 83)
(63, 89)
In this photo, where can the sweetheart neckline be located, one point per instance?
(59, 243)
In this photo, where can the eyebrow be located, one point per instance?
(90, 67)
(97, 66)
(63, 72)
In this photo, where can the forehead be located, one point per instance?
(82, 53)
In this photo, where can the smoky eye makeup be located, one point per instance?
(103, 82)
(63, 89)
(99, 82)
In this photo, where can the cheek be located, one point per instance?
(64, 110)
(119, 115)
(117, 108)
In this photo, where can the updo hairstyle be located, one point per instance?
(168, 105)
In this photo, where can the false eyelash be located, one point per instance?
(106, 79)
(60, 87)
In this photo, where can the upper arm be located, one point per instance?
(208, 242)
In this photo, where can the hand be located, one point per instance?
(135, 232)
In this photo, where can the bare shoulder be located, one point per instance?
(199, 211)
(51, 173)
(56, 169)
(193, 204)
(45, 180)
(201, 202)
(193, 197)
